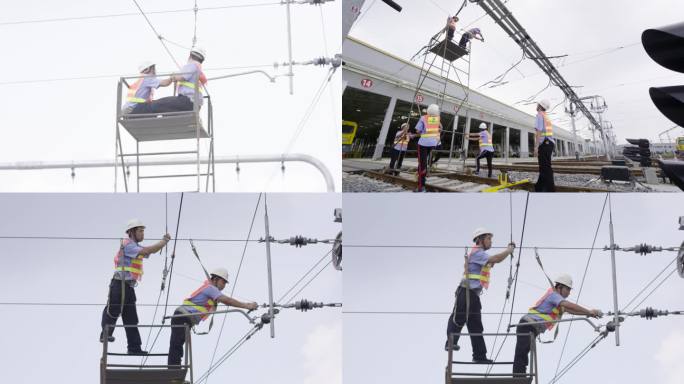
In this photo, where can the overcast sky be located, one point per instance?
(589, 32)
(73, 120)
(63, 340)
(402, 349)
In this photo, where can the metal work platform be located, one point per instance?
(166, 126)
(149, 376)
(142, 373)
(448, 50)
(453, 377)
(163, 126)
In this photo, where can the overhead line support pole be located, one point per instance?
(268, 265)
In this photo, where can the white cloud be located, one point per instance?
(669, 356)
(323, 355)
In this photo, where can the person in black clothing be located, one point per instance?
(544, 150)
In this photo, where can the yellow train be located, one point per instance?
(348, 133)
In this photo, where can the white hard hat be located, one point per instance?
(544, 104)
(479, 232)
(144, 65)
(433, 110)
(483, 126)
(134, 223)
(564, 279)
(220, 272)
(199, 51)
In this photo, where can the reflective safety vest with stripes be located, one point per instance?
(556, 312)
(548, 127)
(431, 127)
(402, 141)
(202, 80)
(483, 276)
(487, 142)
(210, 305)
(133, 89)
(126, 264)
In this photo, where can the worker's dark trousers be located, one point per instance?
(457, 320)
(423, 154)
(522, 347)
(545, 181)
(112, 312)
(487, 155)
(396, 158)
(165, 104)
(464, 41)
(177, 338)
(435, 156)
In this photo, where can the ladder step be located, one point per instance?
(126, 354)
(157, 153)
(171, 176)
(472, 362)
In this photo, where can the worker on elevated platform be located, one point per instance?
(550, 307)
(199, 306)
(401, 142)
(451, 27)
(189, 78)
(486, 148)
(140, 93)
(429, 128)
(544, 149)
(128, 271)
(468, 309)
(470, 34)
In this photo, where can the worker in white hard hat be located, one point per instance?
(429, 128)
(545, 144)
(451, 26)
(468, 308)
(473, 33)
(199, 306)
(486, 148)
(128, 271)
(540, 318)
(141, 92)
(189, 83)
(399, 148)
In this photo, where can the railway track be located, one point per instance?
(454, 182)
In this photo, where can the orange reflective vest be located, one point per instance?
(210, 305)
(126, 264)
(431, 126)
(202, 80)
(402, 140)
(487, 142)
(133, 89)
(556, 312)
(548, 127)
(483, 276)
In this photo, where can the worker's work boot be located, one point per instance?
(456, 347)
(137, 352)
(109, 339)
(482, 360)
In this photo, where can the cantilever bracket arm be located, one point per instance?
(271, 78)
(251, 320)
(597, 328)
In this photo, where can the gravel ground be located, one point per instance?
(574, 180)
(358, 183)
